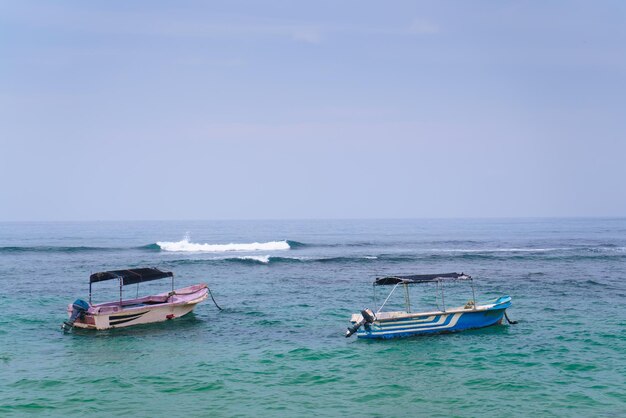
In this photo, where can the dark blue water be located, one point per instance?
(278, 347)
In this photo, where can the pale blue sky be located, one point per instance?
(321, 109)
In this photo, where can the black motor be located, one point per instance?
(79, 307)
(368, 318)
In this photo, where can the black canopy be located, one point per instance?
(420, 278)
(131, 276)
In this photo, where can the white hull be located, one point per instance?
(114, 315)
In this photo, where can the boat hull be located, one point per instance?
(407, 325)
(137, 312)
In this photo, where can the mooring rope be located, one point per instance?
(508, 320)
(210, 293)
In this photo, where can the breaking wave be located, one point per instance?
(591, 252)
(185, 245)
(263, 259)
(267, 260)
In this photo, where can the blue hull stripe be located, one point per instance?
(445, 322)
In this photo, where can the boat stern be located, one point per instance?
(80, 314)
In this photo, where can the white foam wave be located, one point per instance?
(185, 245)
(265, 259)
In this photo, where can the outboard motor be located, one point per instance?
(79, 307)
(368, 318)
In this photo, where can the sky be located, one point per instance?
(148, 110)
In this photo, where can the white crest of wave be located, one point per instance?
(265, 259)
(186, 246)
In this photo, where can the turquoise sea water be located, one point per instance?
(277, 349)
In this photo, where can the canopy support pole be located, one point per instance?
(473, 292)
(374, 290)
(407, 299)
(90, 292)
(121, 292)
(443, 299)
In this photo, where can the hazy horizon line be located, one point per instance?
(612, 217)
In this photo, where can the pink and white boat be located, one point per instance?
(128, 312)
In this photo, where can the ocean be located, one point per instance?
(287, 289)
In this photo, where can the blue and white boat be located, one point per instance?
(382, 325)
